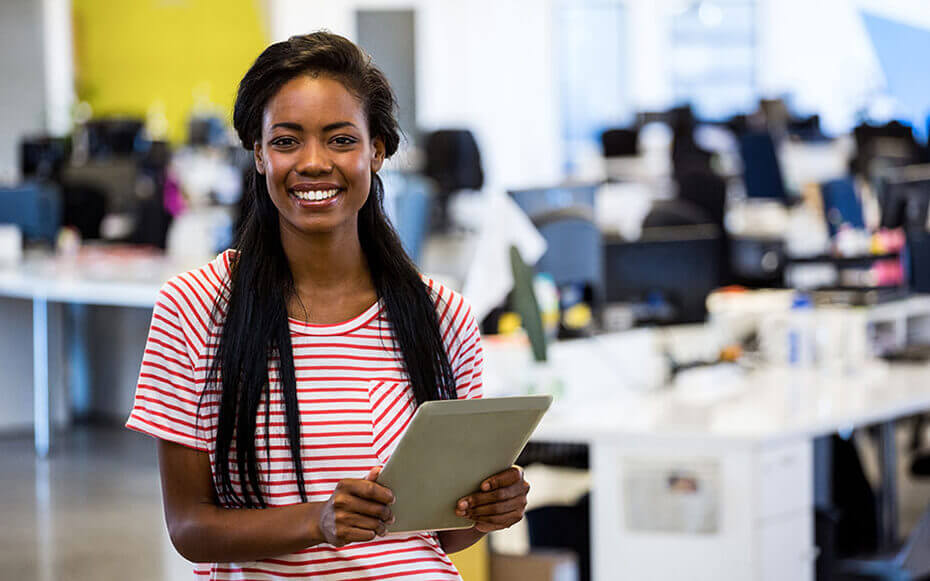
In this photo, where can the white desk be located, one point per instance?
(131, 279)
(751, 436)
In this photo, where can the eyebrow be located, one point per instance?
(298, 127)
(338, 125)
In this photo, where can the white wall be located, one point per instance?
(36, 65)
(22, 91)
(484, 65)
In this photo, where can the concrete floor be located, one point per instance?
(93, 511)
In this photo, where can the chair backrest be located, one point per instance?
(841, 205)
(574, 247)
(34, 207)
(620, 142)
(411, 216)
(761, 170)
(453, 160)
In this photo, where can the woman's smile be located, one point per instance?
(315, 195)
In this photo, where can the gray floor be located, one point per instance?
(93, 511)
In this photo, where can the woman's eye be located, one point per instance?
(342, 140)
(284, 142)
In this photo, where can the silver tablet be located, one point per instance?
(449, 448)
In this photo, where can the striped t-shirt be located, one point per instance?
(354, 398)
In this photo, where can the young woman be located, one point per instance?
(280, 376)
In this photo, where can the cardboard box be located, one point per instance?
(539, 565)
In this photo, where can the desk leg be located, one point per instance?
(888, 492)
(41, 408)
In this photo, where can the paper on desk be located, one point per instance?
(503, 224)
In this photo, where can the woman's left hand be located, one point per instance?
(499, 503)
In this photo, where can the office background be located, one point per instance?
(700, 190)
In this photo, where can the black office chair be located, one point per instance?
(453, 161)
(880, 146)
(620, 142)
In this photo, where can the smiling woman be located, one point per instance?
(267, 370)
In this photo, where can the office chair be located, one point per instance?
(114, 137)
(708, 191)
(620, 142)
(841, 205)
(761, 169)
(807, 129)
(574, 249)
(910, 563)
(687, 155)
(453, 161)
(34, 207)
(411, 215)
(43, 157)
(889, 145)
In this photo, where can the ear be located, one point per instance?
(259, 157)
(377, 158)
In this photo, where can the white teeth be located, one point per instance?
(316, 195)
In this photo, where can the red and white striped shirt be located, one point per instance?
(354, 398)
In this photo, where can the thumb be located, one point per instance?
(373, 474)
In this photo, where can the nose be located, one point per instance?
(314, 159)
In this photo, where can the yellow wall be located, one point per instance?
(474, 562)
(131, 55)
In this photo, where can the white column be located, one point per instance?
(58, 57)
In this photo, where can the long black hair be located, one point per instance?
(254, 303)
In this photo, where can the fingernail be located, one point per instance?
(463, 504)
(486, 486)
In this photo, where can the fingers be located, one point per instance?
(362, 522)
(497, 508)
(350, 503)
(519, 489)
(366, 489)
(374, 473)
(347, 534)
(508, 477)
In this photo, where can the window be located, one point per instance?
(713, 56)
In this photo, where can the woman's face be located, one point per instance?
(316, 155)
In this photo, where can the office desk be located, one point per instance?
(747, 438)
(123, 279)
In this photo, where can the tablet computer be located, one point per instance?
(450, 447)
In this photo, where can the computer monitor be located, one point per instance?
(666, 275)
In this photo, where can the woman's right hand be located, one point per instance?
(358, 510)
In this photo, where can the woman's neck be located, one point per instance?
(329, 269)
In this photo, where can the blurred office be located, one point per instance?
(702, 225)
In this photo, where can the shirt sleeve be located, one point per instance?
(167, 400)
(463, 339)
